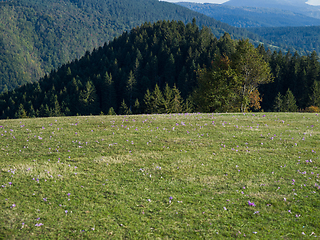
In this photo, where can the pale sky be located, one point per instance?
(198, 1)
(314, 2)
(311, 2)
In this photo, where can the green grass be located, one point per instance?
(114, 175)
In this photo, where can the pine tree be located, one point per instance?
(170, 72)
(315, 97)
(131, 89)
(189, 105)
(32, 112)
(124, 110)
(289, 102)
(218, 88)
(111, 111)
(47, 111)
(136, 107)
(41, 111)
(88, 100)
(278, 103)
(57, 109)
(157, 101)
(168, 98)
(177, 101)
(21, 113)
(108, 93)
(147, 102)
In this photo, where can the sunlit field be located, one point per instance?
(178, 176)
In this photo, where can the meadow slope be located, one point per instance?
(182, 176)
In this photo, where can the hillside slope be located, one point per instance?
(165, 52)
(304, 40)
(297, 6)
(245, 17)
(38, 36)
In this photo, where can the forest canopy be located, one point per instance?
(38, 36)
(157, 68)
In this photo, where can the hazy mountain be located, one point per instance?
(297, 6)
(245, 17)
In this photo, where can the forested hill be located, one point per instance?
(246, 17)
(301, 39)
(154, 69)
(37, 36)
(121, 70)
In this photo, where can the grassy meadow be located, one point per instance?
(177, 176)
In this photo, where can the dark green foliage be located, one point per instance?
(160, 53)
(136, 107)
(38, 36)
(21, 113)
(107, 93)
(285, 103)
(88, 100)
(111, 111)
(140, 60)
(315, 96)
(298, 73)
(218, 88)
(170, 101)
(304, 40)
(289, 102)
(124, 110)
(278, 103)
(157, 103)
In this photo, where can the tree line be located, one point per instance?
(162, 67)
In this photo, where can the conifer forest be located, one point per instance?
(169, 67)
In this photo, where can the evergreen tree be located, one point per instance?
(41, 111)
(177, 101)
(218, 88)
(278, 103)
(148, 102)
(111, 111)
(21, 113)
(157, 101)
(131, 89)
(136, 107)
(47, 111)
(32, 112)
(108, 93)
(289, 102)
(169, 72)
(189, 105)
(88, 100)
(168, 98)
(124, 110)
(315, 96)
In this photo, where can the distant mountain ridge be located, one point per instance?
(275, 26)
(249, 16)
(297, 6)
